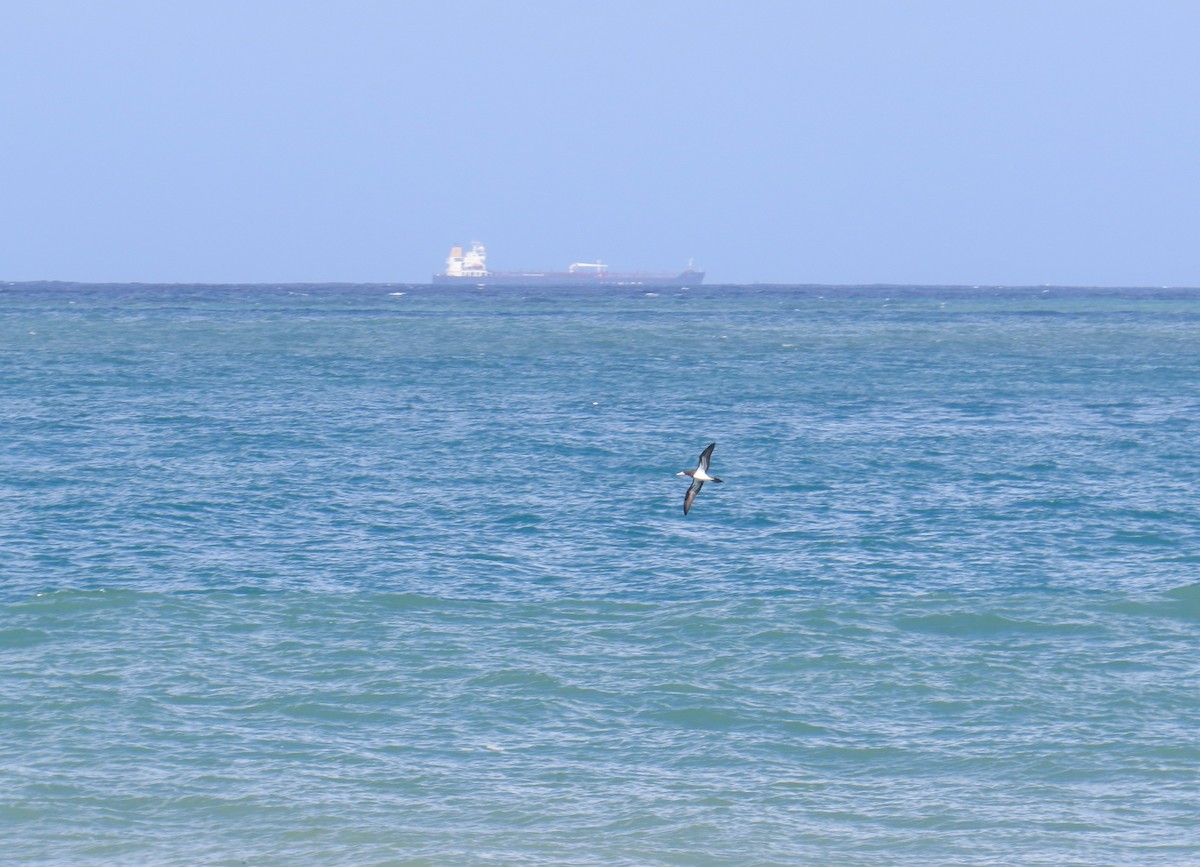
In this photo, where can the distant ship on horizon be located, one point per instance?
(470, 269)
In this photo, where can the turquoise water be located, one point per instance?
(363, 575)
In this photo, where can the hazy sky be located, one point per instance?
(842, 141)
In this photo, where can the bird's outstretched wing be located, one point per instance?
(706, 456)
(690, 496)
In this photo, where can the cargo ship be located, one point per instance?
(470, 269)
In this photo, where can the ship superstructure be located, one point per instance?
(466, 268)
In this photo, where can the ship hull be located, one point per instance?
(567, 279)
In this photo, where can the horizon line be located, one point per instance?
(708, 285)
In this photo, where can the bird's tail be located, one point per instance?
(714, 480)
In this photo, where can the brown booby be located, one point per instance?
(698, 476)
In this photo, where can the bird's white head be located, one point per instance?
(684, 473)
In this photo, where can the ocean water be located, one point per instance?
(396, 575)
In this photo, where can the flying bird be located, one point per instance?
(698, 476)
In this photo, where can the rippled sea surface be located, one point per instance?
(389, 574)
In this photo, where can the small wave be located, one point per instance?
(1185, 602)
(22, 637)
(972, 624)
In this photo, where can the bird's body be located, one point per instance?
(698, 476)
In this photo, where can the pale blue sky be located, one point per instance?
(845, 141)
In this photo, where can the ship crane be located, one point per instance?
(599, 267)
